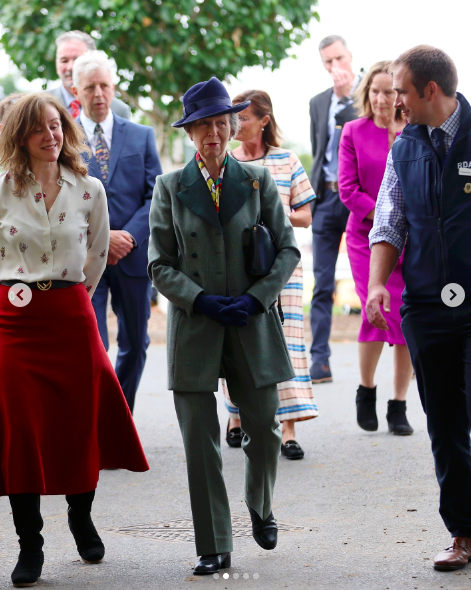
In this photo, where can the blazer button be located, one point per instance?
(196, 274)
(193, 234)
(194, 255)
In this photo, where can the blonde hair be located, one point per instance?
(361, 95)
(21, 121)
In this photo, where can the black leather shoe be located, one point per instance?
(366, 408)
(397, 419)
(265, 532)
(320, 373)
(234, 436)
(28, 569)
(211, 564)
(89, 544)
(292, 450)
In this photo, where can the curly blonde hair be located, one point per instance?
(21, 121)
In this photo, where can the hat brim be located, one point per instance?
(211, 111)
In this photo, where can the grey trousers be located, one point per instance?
(199, 425)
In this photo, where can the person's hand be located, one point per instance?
(343, 82)
(237, 313)
(120, 246)
(211, 305)
(371, 214)
(377, 296)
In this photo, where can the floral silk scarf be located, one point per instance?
(215, 188)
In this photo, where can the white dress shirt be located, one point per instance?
(69, 242)
(89, 128)
(68, 98)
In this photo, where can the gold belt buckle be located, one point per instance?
(44, 286)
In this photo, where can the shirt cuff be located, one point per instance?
(387, 234)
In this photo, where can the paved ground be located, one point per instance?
(366, 505)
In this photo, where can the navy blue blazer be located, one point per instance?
(134, 166)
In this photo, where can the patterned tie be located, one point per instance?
(438, 136)
(75, 108)
(102, 153)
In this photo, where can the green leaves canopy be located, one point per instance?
(161, 47)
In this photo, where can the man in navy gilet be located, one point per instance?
(425, 202)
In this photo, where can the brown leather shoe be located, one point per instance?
(454, 557)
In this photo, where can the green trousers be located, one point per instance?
(199, 424)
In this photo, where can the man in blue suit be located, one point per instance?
(125, 159)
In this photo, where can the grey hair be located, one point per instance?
(90, 62)
(234, 122)
(77, 36)
(330, 40)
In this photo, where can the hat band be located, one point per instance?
(206, 102)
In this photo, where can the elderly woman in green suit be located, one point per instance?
(221, 320)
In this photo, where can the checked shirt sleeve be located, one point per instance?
(390, 220)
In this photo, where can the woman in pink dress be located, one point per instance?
(363, 151)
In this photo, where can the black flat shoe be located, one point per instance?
(28, 569)
(211, 564)
(292, 450)
(265, 532)
(234, 436)
(366, 408)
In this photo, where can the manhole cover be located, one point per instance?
(182, 530)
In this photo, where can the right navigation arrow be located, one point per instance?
(454, 295)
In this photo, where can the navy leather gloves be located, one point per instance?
(211, 305)
(236, 313)
(227, 310)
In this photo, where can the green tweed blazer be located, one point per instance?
(192, 249)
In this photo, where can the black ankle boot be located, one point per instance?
(28, 524)
(265, 532)
(397, 419)
(212, 564)
(366, 408)
(89, 544)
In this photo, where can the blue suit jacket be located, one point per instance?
(133, 168)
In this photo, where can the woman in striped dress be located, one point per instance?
(259, 137)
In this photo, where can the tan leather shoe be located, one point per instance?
(454, 557)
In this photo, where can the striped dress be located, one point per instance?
(296, 397)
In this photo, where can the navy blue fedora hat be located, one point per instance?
(207, 99)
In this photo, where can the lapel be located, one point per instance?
(236, 189)
(117, 141)
(93, 168)
(324, 107)
(196, 197)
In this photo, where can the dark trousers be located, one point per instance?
(328, 224)
(130, 301)
(199, 425)
(439, 341)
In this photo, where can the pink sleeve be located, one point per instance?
(350, 193)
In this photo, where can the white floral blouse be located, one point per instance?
(70, 242)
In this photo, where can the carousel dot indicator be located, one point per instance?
(256, 576)
(216, 576)
(225, 576)
(20, 295)
(246, 576)
(236, 576)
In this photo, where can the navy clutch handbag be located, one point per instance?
(262, 254)
(262, 250)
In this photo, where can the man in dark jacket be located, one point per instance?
(426, 197)
(329, 111)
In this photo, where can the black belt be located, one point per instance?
(42, 285)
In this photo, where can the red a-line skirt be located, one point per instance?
(63, 415)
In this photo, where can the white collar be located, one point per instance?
(64, 174)
(89, 125)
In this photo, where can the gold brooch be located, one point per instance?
(255, 184)
(44, 286)
(467, 188)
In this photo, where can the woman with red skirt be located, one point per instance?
(63, 416)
